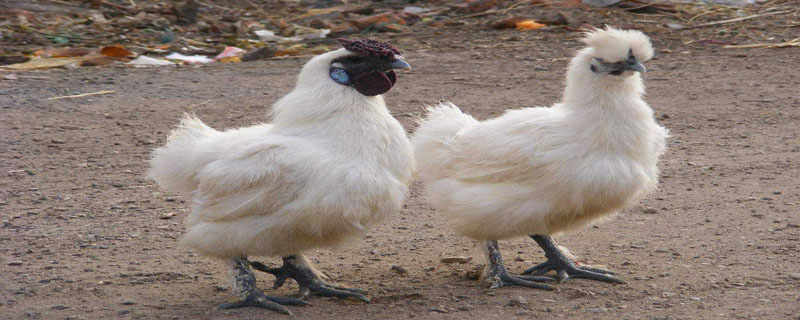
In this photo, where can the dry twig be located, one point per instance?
(791, 43)
(82, 95)
(738, 19)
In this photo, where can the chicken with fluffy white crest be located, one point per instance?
(542, 171)
(332, 163)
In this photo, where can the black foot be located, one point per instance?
(498, 276)
(299, 268)
(245, 285)
(565, 267)
(258, 299)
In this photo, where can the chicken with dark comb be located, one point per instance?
(332, 163)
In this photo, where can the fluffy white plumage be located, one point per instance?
(547, 170)
(332, 163)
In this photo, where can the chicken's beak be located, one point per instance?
(634, 65)
(399, 63)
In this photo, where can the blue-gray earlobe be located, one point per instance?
(340, 76)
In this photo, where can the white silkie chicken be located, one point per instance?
(332, 163)
(541, 171)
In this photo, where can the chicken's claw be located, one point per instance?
(497, 275)
(564, 266)
(298, 268)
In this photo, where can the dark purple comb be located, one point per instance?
(370, 48)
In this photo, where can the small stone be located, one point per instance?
(15, 263)
(128, 302)
(57, 141)
(167, 215)
(517, 301)
(460, 260)
(169, 199)
(438, 309)
(260, 53)
(650, 210)
(117, 184)
(221, 288)
(577, 293)
(465, 308)
(59, 307)
(795, 276)
(399, 269)
(695, 298)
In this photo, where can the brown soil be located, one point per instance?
(82, 235)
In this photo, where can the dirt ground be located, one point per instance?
(83, 235)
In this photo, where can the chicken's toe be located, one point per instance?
(297, 267)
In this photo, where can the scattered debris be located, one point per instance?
(145, 61)
(189, 59)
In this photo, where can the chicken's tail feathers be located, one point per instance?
(173, 165)
(433, 140)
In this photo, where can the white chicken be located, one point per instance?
(332, 163)
(541, 171)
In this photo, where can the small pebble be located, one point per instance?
(517, 301)
(461, 260)
(128, 302)
(650, 210)
(399, 269)
(15, 263)
(439, 310)
(167, 215)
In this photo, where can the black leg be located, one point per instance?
(564, 266)
(299, 268)
(245, 286)
(497, 275)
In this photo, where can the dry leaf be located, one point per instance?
(63, 52)
(99, 60)
(45, 63)
(229, 59)
(116, 50)
(529, 25)
(509, 23)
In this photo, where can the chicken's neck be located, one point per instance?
(608, 113)
(355, 123)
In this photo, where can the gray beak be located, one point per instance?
(635, 66)
(399, 64)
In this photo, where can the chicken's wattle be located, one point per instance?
(375, 83)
